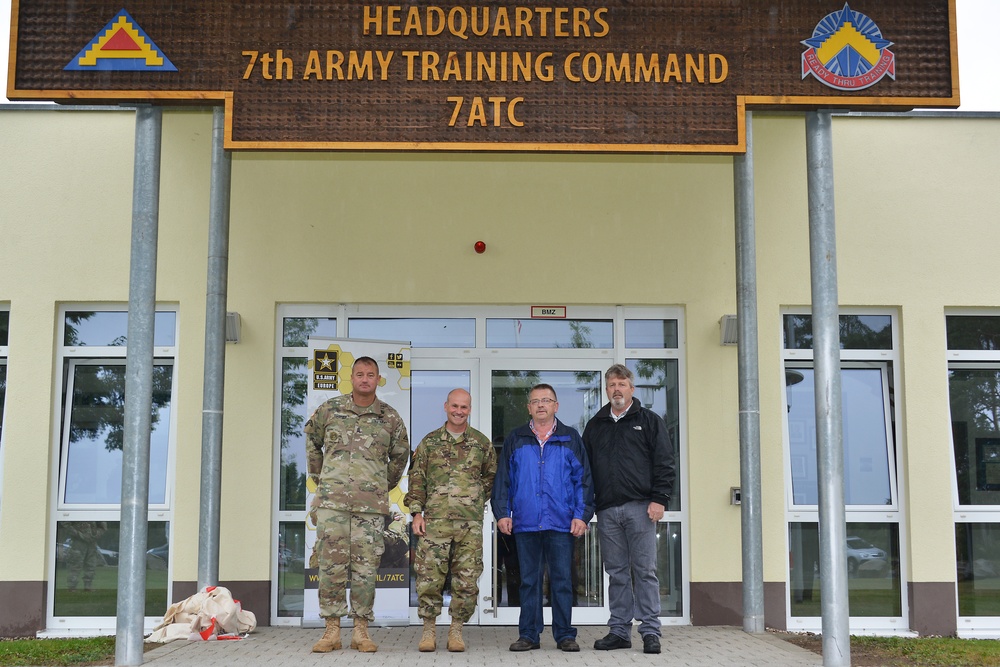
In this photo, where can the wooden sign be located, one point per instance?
(619, 76)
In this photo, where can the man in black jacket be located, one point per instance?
(632, 462)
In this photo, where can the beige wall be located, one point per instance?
(60, 219)
(916, 229)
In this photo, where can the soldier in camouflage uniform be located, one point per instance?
(450, 478)
(83, 557)
(357, 449)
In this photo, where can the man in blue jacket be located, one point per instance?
(543, 496)
(629, 447)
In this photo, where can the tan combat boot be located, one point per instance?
(360, 639)
(455, 641)
(428, 640)
(330, 641)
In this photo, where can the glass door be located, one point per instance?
(579, 387)
(429, 389)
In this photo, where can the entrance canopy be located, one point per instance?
(594, 75)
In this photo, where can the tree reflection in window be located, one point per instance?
(656, 388)
(975, 419)
(109, 328)
(294, 385)
(973, 332)
(857, 332)
(99, 402)
(296, 332)
(96, 431)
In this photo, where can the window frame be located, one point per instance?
(983, 510)
(886, 370)
(895, 513)
(970, 627)
(66, 357)
(68, 388)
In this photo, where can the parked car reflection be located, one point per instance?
(864, 558)
(290, 562)
(157, 557)
(108, 556)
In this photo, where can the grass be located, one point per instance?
(922, 651)
(86, 651)
(103, 599)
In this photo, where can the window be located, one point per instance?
(868, 369)
(868, 468)
(655, 334)
(974, 397)
(86, 572)
(94, 437)
(297, 327)
(90, 443)
(528, 333)
(418, 331)
(656, 387)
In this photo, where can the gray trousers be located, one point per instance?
(628, 548)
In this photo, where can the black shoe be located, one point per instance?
(611, 642)
(569, 645)
(523, 644)
(650, 644)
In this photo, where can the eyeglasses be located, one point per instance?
(541, 401)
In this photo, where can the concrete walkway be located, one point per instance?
(712, 646)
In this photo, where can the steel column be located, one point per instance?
(826, 359)
(749, 389)
(138, 387)
(215, 357)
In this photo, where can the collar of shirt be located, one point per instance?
(614, 417)
(543, 438)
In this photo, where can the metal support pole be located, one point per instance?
(826, 358)
(749, 390)
(215, 357)
(138, 387)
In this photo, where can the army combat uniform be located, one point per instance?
(356, 455)
(83, 557)
(449, 481)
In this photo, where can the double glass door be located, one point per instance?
(500, 404)
(580, 390)
(497, 356)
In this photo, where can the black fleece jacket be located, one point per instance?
(631, 459)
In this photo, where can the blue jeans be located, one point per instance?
(628, 548)
(535, 550)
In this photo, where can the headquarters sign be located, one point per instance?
(591, 75)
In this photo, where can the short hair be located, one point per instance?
(542, 385)
(621, 372)
(366, 360)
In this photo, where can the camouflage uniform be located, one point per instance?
(83, 556)
(449, 481)
(357, 455)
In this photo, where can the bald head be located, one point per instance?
(459, 394)
(457, 409)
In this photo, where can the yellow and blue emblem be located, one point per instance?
(847, 52)
(121, 47)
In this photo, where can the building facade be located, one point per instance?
(638, 250)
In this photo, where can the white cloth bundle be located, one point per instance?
(205, 615)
